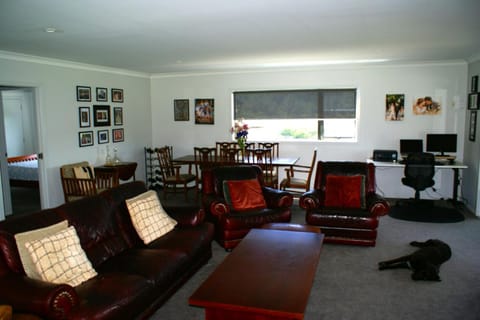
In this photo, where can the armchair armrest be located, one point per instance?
(186, 216)
(277, 198)
(310, 200)
(377, 205)
(48, 300)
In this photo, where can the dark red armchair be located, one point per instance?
(343, 202)
(236, 200)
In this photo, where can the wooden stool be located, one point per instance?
(291, 227)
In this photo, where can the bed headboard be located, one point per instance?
(27, 157)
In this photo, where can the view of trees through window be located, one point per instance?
(323, 114)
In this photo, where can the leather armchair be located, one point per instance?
(343, 202)
(232, 224)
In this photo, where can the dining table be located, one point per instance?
(277, 161)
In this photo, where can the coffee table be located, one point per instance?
(267, 276)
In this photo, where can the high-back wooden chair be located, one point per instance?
(172, 178)
(80, 180)
(205, 158)
(298, 177)
(263, 158)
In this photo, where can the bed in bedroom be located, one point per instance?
(23, 171)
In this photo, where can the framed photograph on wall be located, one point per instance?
(117, 95)
(474, 84)
(102, 94)
(102, 136)
(181, 110)
(101, 116)
(394, 107)
(117, 135)
(85, 138)
(84, 93)
(473, 126)
(204, 111)
(84, 117)
(473, 101)
(117, 116)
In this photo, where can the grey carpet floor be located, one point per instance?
(349, 286)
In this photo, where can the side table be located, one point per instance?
(125, 170)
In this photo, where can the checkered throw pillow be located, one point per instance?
(148, 216)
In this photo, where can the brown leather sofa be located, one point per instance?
(133, 279)
(343, 202)
(232, 225)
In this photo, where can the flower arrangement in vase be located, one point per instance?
(240, 130)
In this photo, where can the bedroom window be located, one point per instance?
(322, 114)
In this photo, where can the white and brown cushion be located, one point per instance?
(84, 172)
(37, 234)
(148, 216)
(59, 258)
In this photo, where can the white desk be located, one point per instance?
(456, 166)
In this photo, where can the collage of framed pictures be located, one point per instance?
(473, 106)
(100, 116)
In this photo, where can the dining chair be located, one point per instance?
(205, 158)
(298, 177)
(171, 176)
(275, 147)
(264, 159)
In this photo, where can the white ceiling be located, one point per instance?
(164, 36)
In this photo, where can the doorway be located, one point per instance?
(18, 138)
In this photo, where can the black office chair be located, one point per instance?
(419, 172)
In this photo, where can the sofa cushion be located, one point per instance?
(148, 216)
(244, 195)
(345, 191)
(84, 172)
(32, 235)
(59, 258)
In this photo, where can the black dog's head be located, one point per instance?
(427, 272)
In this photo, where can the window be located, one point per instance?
(327, 115)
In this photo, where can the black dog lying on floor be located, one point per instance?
(425, 262)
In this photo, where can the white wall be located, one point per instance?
(58, 113)
(472, 155)
(444, 81)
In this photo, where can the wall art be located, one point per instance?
(102, 136)
(394, 107)
(117, 116)
(101, 116)
(85, 138)
(102, 94)
(118, 135)
(426, 106)
(204, 111)
(84, 117)
(473, 126)
(474, 84)
(117, 95)
(473, 101)
(84, 93)
(181, 110)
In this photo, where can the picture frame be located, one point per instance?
(117, 95)
(101, 116)
(118, 116)
(102, 136)
(394, 107)
(204, 111)
(473, 101)
(84, 117)
(181, 110)
(102, 94)
(118, 135)
(85, 138)
(474, 84)
(84, 93)
(473, 126)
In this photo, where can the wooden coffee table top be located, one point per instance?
(270, 272)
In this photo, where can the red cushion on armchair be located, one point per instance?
(244, 194)
(345, 191)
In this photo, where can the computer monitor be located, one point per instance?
(442, 143)
(408, 146)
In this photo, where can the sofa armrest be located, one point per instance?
(186, 216)
(377, 205)
(310, 200)
(48, 300)
(277, 198)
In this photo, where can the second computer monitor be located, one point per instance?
(442, 143)
(408, 146)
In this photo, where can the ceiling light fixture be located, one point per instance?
(52, 30)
